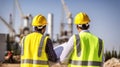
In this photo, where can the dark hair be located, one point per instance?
(36, 28)
(83, 27)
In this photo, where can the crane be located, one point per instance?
(69, 18)
(8, 25)
(11, 29)
(24, 18)
(19, 9)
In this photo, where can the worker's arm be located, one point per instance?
(66, 53)
(50, 51)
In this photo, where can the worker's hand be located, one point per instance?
(55, 64)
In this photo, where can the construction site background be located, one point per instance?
(10, 48)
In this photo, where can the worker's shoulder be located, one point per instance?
(87, 35)
(30, 34)
(33, 34)
(91, 35)
(47, 37)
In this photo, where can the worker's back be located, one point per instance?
(87, 51)
(34, 51)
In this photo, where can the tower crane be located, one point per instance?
(68, 17)
(24, 18)
(19, 9)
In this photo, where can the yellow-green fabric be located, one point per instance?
(88, 53)
(33, 51)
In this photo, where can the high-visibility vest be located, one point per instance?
(33, 51)
(87, 52)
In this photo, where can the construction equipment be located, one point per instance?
(69, 18)
(11, 29)
(7, 25)
(24, 18)
(50, 25)
(65, 34)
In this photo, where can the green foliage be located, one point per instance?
(110, 54)
(114, 53)
(118, 55)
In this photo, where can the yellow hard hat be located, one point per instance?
(39, 20)
(81, 18)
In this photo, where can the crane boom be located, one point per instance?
(67, 12)
(69, 18)
(19, 9)
(9, 27)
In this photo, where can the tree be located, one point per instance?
(108, 55)
(118, 55)
(114, 53)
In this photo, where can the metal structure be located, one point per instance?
(69, 18)
(11, 29)
(23, 17)
(50, 25)
(65, 34)
(25, 23)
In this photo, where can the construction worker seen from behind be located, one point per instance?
(87, 48)
(37, 49)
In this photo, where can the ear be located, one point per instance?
(77, 26)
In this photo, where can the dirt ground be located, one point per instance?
(9, 65)
(113, 62)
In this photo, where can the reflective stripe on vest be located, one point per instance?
(30, 61)
(34, 61)
(78, 45)
(22, 47)
(41, 46)
(85, 63)
(100, 47)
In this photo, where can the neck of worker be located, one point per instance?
(80, 30)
